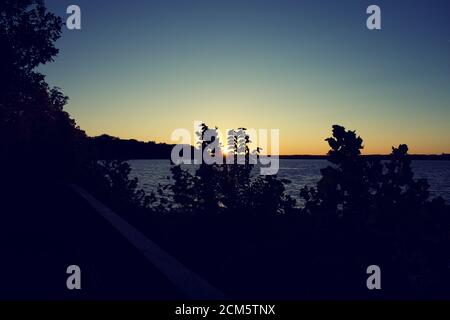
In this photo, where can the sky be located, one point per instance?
(141, 69)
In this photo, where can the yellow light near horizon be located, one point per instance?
(224, 150)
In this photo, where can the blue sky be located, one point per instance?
(140, 69)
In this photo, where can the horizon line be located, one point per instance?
(279, 155)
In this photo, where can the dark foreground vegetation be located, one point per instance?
(242, 233)
(253, 241)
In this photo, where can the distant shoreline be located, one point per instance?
(374, 156)
(434, 157)
(108, 147)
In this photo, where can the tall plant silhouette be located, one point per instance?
(228, 187)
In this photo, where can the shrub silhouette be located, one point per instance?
(109, 180)
(372, 209)
(228, 188)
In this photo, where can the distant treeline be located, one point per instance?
(444, 156)
(107, 147)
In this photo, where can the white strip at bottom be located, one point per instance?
(188, 282)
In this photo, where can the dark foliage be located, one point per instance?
(363, 211)
(38, 137)
(377, 211)
(112, 148)
(109, 180)
(226, 188)
(40, 143)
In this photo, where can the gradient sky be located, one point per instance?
(140, 69)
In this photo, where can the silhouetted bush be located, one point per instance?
(109, 180)
(226, 188)
(376, 211)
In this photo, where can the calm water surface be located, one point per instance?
(300, 172)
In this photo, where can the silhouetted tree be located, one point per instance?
(37, 136)
(39, 141)
(376, 210)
